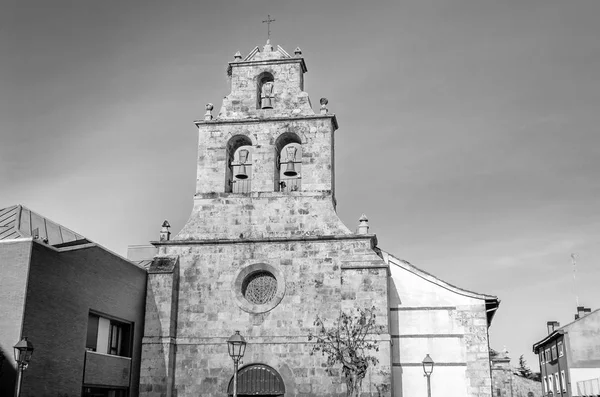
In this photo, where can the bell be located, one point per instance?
(241, 174)
(290, 170)
(291, 157)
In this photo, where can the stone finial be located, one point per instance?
(363, 225)
(165, 234)
(298, 52)
(237, 57)
(208, 115)
(268, 47)
(324, 102)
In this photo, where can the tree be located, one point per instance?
(524, 369)
(346, 343)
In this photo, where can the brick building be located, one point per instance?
(264, 252)
(570, 356)
(80, 305)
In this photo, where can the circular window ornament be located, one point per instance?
(258, 288)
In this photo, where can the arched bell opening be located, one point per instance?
(257, 380)
(265, 90)
(238, 173)
(288, 163)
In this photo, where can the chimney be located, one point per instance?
(552, 326)
(582, 311)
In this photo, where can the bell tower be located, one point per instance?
(263, 251)
(267, 153)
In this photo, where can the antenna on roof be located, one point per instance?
(574, 263)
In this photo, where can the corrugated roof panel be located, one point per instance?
(38, 222)
(25, 222)
(68, 235)
(54, 235)
(7, 215)
(10, 235)
(18, 221)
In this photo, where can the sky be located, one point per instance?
(468, 128)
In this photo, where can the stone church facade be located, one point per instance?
(264, 253)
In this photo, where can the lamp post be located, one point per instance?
(237, 347)
(428, 369)
(23, 352)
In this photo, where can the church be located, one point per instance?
(264, 253)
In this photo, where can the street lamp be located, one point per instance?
(237, 347)
(428, 369)
(23, 352)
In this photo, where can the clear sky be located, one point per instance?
(468, 129)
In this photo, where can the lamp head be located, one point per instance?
(428, 365)
(23, 351)
(236, 345)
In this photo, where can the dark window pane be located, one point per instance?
(92, 332)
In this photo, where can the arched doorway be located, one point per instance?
(258, 380)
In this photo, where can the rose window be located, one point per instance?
(259, 288)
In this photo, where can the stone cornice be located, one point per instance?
(262, 120)
(371, 237)
(270, 61)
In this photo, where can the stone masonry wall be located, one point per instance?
(319, 266)
(289, 98)
(321, 277)
(160, 328)
(315, 134)
(505, 383)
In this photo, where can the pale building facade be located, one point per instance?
(570, 356)
(264, 252)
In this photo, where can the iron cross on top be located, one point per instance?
(268, 22)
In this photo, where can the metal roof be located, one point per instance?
(18, 221)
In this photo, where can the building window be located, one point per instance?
(238, 174)
(560, 349)
(108, 336)
(288, 163)
(541, 357)
(260, 287)
(548, 357)
(554, 356)
(563, 379)
(557, 382)
(545, 385)
(550, 386)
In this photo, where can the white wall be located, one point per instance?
(433, 318)
(103, 331)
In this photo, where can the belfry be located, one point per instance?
(264, 253)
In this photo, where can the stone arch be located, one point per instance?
(288, 157)
(238, 154)
(261, 79)
(258, 380)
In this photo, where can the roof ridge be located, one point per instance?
(424, 274)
